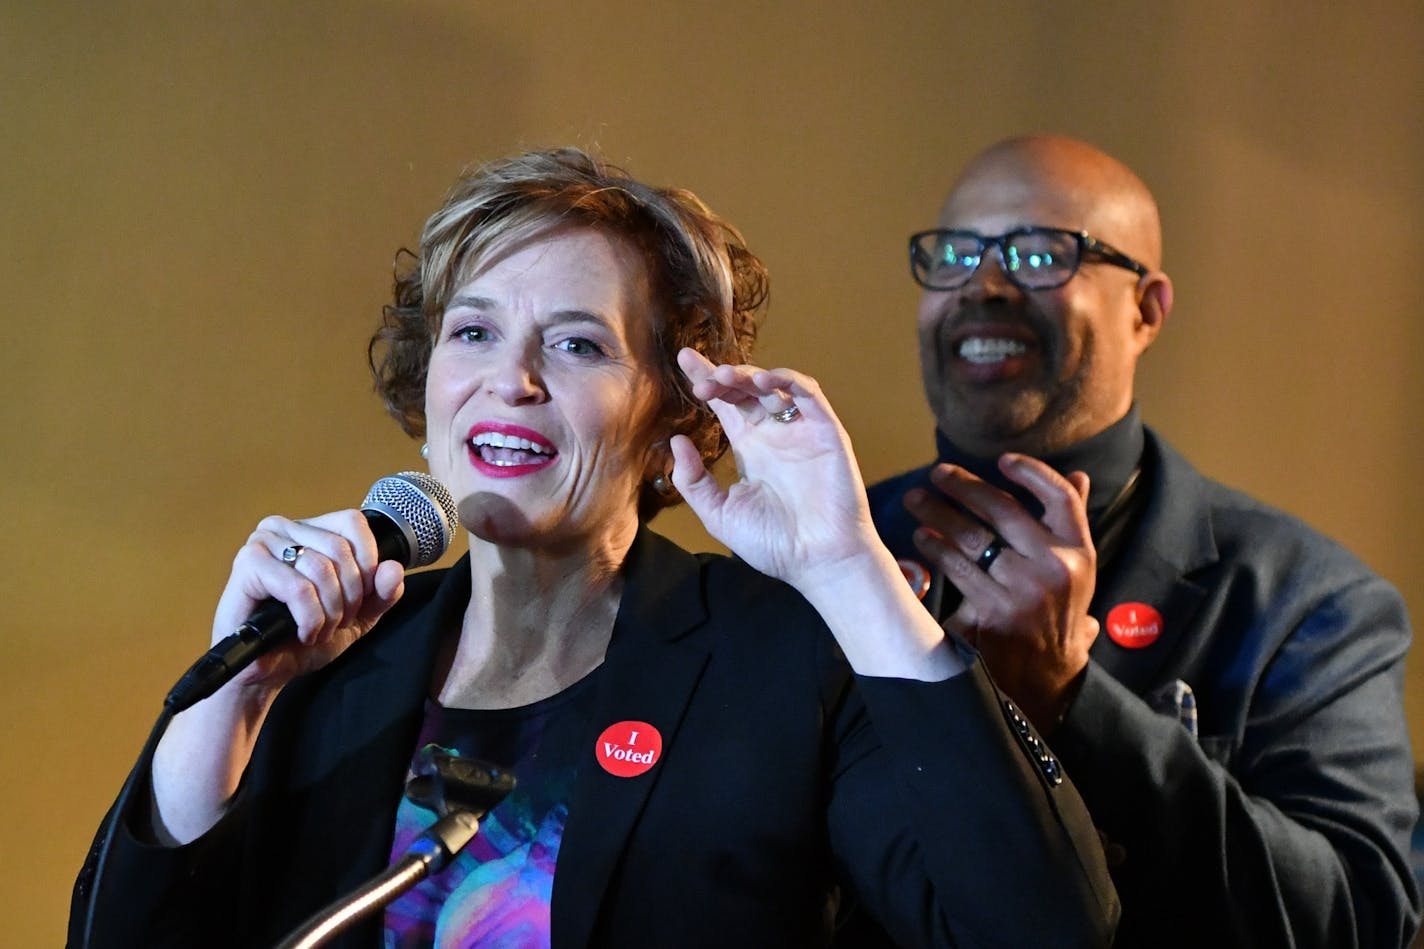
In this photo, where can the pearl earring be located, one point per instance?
(425, 451)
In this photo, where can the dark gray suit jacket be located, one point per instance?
(1287, 821)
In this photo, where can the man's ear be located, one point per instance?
(1154, 305)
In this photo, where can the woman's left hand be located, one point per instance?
(797, 509)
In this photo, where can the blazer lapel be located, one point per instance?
(655, 658)
(1174, 541)
(381, 710)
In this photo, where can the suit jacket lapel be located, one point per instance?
(659, 648)
(1174, 541)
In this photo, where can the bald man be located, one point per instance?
(1222, 683)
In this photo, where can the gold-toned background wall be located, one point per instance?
(201, 202)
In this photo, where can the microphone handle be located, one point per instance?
(270, 624)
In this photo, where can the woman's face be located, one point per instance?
(543, 390)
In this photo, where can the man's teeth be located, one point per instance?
(981, 350)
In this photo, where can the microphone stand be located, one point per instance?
(429, 854)
(461, 790)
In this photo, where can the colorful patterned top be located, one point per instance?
(495, 894)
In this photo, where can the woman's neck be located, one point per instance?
(538, 621)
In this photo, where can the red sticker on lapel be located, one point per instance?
(627, 749)
(1134, 625)
(915, 575)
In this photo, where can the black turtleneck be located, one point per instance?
(1110, 459)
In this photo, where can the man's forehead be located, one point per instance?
(1003, 202)
(1055, 182)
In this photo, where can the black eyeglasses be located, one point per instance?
(1033, 258)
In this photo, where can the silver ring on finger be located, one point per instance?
(788, 414)
(989, 554)
(291, 553)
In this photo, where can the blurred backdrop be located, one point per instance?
(202, 202)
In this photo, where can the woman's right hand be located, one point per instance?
(336, 590)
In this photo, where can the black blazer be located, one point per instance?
(781, 778)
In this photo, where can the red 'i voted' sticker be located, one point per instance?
(627, 749)
(1134, 625)
(915, 575)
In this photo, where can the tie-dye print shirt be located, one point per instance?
(495, 894)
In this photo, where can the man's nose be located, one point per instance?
(990, 280)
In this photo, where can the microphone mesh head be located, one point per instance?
(422, 507)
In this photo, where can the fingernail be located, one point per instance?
(915, 497)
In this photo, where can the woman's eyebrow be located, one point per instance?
(472, 302)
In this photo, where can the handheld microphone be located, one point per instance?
(412, 516)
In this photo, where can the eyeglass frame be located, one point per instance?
(1087, 244)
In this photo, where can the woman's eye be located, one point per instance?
(578, 346)
(471, 334)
